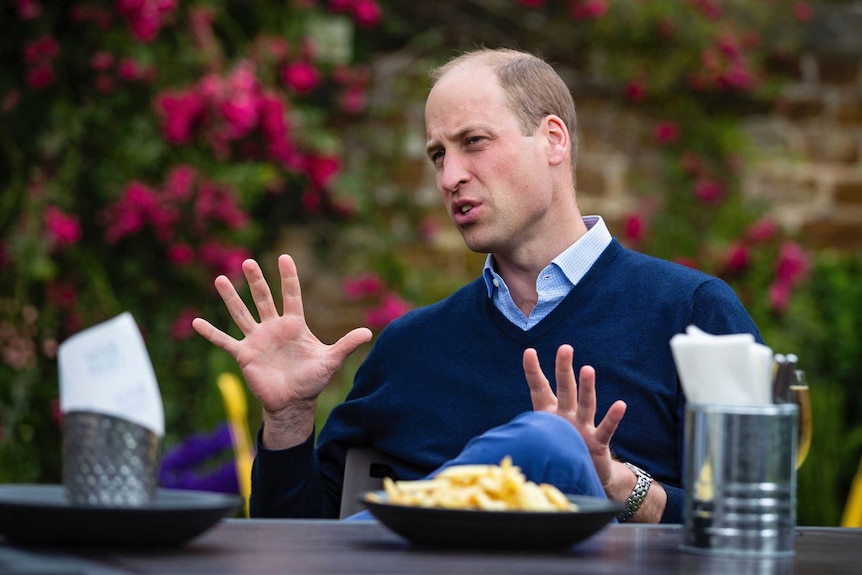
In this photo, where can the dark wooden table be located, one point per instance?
(257, 547)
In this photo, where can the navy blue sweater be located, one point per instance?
(442, 374)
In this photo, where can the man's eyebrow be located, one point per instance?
(435, 145)
(431, 147)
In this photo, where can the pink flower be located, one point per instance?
(737, 77)
(133, 71)
(145, 17)
(709, 8)
(128, 69)
(301, 76)
(178, 186)
(802, 12)
(340, 5)
(241, 115)
(311, 200)
(130, 213)
(792, 264)
(45, 48)
(272, 110)
(182, 326)
(391, 307)
(737, 259)
(708, 190)
(362, 286)
(181, 254)
(728, 45)
(352, 100)
(201, 25)
(366, 12)
(40, 76)
(223, 259)
(588, 9)
(28, 9)
(779, 296)
(218, 203)
(634, 228)
(180, 112)
(104, 84)
(102, 61)
(666, 132)
(636, 90)
(62, 295)
(163, 218)
(63, 229)
(277, 48)
(322, 169)
(762, 230)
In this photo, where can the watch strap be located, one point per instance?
(638, 494)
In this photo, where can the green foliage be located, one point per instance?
(828, 331)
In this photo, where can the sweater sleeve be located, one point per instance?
(675, 503)
(717, 310)
(287, 483)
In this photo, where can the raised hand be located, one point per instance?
(285, 365)
(577, 404)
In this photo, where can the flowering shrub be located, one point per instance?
(147, 146)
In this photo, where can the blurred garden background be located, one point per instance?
(148, 145)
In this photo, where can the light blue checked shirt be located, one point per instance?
(555, 281)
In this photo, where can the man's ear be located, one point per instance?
(558, 140)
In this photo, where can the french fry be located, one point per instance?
(484, 487)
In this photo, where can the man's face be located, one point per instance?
(494, 180)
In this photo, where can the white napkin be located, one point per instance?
(722, 369)
(106, 369)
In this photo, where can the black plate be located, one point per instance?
(40, 514)
(464, 528)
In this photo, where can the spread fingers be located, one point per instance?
(260, 291)
(235, 306)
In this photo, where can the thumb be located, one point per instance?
(349, 342)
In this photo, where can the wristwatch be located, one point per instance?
(638, 494)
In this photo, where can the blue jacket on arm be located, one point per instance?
(443, 374)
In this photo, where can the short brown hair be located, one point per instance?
(533, 88)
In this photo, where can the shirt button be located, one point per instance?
(496, 282)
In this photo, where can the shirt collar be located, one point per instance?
(572, 260)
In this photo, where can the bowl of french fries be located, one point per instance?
(487, 506)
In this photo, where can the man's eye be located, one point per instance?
(474, 140)
(437, 157)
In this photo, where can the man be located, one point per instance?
(446, 383)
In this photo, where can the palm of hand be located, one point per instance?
(283, 363)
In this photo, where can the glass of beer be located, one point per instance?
(801, 397)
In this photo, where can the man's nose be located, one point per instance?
(454, 173)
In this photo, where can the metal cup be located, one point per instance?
(740, 480)
(108, 461)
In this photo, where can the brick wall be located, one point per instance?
(806, 165)
(811, 171)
